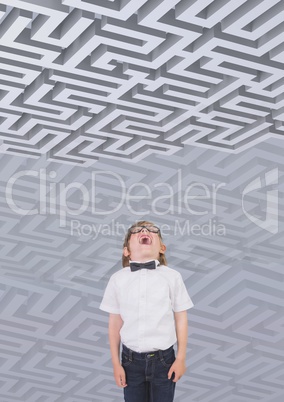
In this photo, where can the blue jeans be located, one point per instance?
(147, 375)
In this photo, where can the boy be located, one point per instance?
(147, 302)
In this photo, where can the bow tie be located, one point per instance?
(135, 266)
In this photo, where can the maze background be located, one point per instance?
(161, 93)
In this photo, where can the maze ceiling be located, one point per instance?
(164, 94)
(123, 79)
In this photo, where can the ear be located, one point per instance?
(126, 252)
(163, 249)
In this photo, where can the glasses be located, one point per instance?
(137, 229)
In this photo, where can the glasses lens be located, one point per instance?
(137, 229)
(153, 229)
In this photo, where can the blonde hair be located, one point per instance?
(125, 260)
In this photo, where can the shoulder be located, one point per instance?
(170, 272)
(120, 275)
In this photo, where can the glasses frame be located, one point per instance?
(144, 227)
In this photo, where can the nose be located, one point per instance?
(144, 229)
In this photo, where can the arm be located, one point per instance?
(115, 324)
(179, 367)
(182, 333)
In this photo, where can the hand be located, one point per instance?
(179, 368)
(119, 376)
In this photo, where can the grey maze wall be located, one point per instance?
(100, 99)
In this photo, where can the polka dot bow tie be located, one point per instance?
(135, 266)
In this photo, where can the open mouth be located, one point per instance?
(144, 239)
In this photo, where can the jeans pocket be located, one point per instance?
(168, 359)
(125, 361)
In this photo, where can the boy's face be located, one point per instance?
(144, 246)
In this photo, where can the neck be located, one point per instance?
(143, 259)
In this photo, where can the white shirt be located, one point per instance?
(146, 300)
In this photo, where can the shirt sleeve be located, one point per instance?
(181, 300)
(110, 301)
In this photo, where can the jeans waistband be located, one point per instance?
(145, 355)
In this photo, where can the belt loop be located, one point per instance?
(161, 354)
(130, 355)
